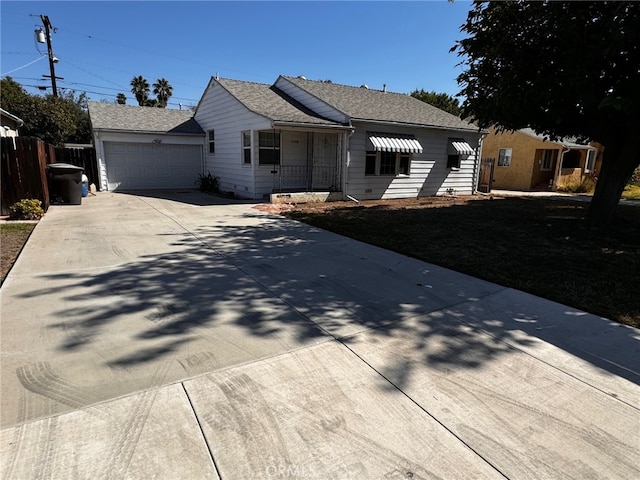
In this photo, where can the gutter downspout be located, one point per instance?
(565, 149)
(347, 161)
(476, 164)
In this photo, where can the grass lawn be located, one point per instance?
(536, 245)
(13, 236)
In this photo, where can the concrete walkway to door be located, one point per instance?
(179, 335)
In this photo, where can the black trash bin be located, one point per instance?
(65, 183)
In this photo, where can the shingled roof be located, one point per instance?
(115, 117)
(272, 103)
(361, 103)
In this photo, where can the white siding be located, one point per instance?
(318, 106)
(428, 174)
(220, 111)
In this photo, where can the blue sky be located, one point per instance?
(101, 46)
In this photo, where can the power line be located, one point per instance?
(24, 66)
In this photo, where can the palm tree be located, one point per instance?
(121, 99)
(163, 90)
(140, 88)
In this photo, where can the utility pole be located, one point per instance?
(47, 29)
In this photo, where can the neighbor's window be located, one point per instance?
(453, 161)
(387, 163)
(212, 141)
(504, 157)
(548, 156)
(269, 148)
(246, 147)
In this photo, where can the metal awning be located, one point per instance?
(458, 146)
(388, 143)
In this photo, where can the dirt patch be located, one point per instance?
(13, 237)
(390, 204)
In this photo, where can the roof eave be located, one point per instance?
(147, 132)
(285, 123)
(471, 128)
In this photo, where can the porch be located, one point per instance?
(309, 162)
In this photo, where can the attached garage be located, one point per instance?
(133, 166)
(141, 148)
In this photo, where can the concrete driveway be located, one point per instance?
(178, 335)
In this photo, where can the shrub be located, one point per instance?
(587, 185)
(26, 209)
(208, 183)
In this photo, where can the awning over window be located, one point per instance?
(458, 146)
(392, 143)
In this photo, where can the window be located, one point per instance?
(404, 164)
(370, 163)
(269, 148)
(590, 164)
(212, 141)
(246, 147)
(387, 163)
(548, 156)
(453, 161)
(504, 157)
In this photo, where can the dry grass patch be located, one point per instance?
(537, 245)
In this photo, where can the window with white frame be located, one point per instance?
(504, 157)
(212, 141)
(590, 164)
(246, 148)
(546, 162)
(453, 160)
(269, 148)
(387, 163)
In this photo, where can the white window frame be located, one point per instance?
(504, 157)
(400, 156)
(211, 134)
(590, 162)
(273, 147)
(246, 135)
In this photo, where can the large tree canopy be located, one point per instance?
(565, 69)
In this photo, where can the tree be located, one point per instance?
(140, 89)
(565, 69)
(121, 99)
(56, 120)
(443, 101)
(163, 90)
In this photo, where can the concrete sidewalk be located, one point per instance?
(177, 335)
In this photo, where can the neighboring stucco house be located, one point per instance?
(299, 135)
(9, 124)
(146, 147)
(524, 160)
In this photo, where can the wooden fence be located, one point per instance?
(485, 179)
(24, 163)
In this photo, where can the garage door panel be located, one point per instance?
(149, 166)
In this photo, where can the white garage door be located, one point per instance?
(132, 166)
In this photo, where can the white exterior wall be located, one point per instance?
(428, 174)
(220, 111)
(128, 137)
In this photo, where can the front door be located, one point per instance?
(325, 162)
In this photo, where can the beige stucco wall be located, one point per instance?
(524, 172)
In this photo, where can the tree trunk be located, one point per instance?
(621, 157)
